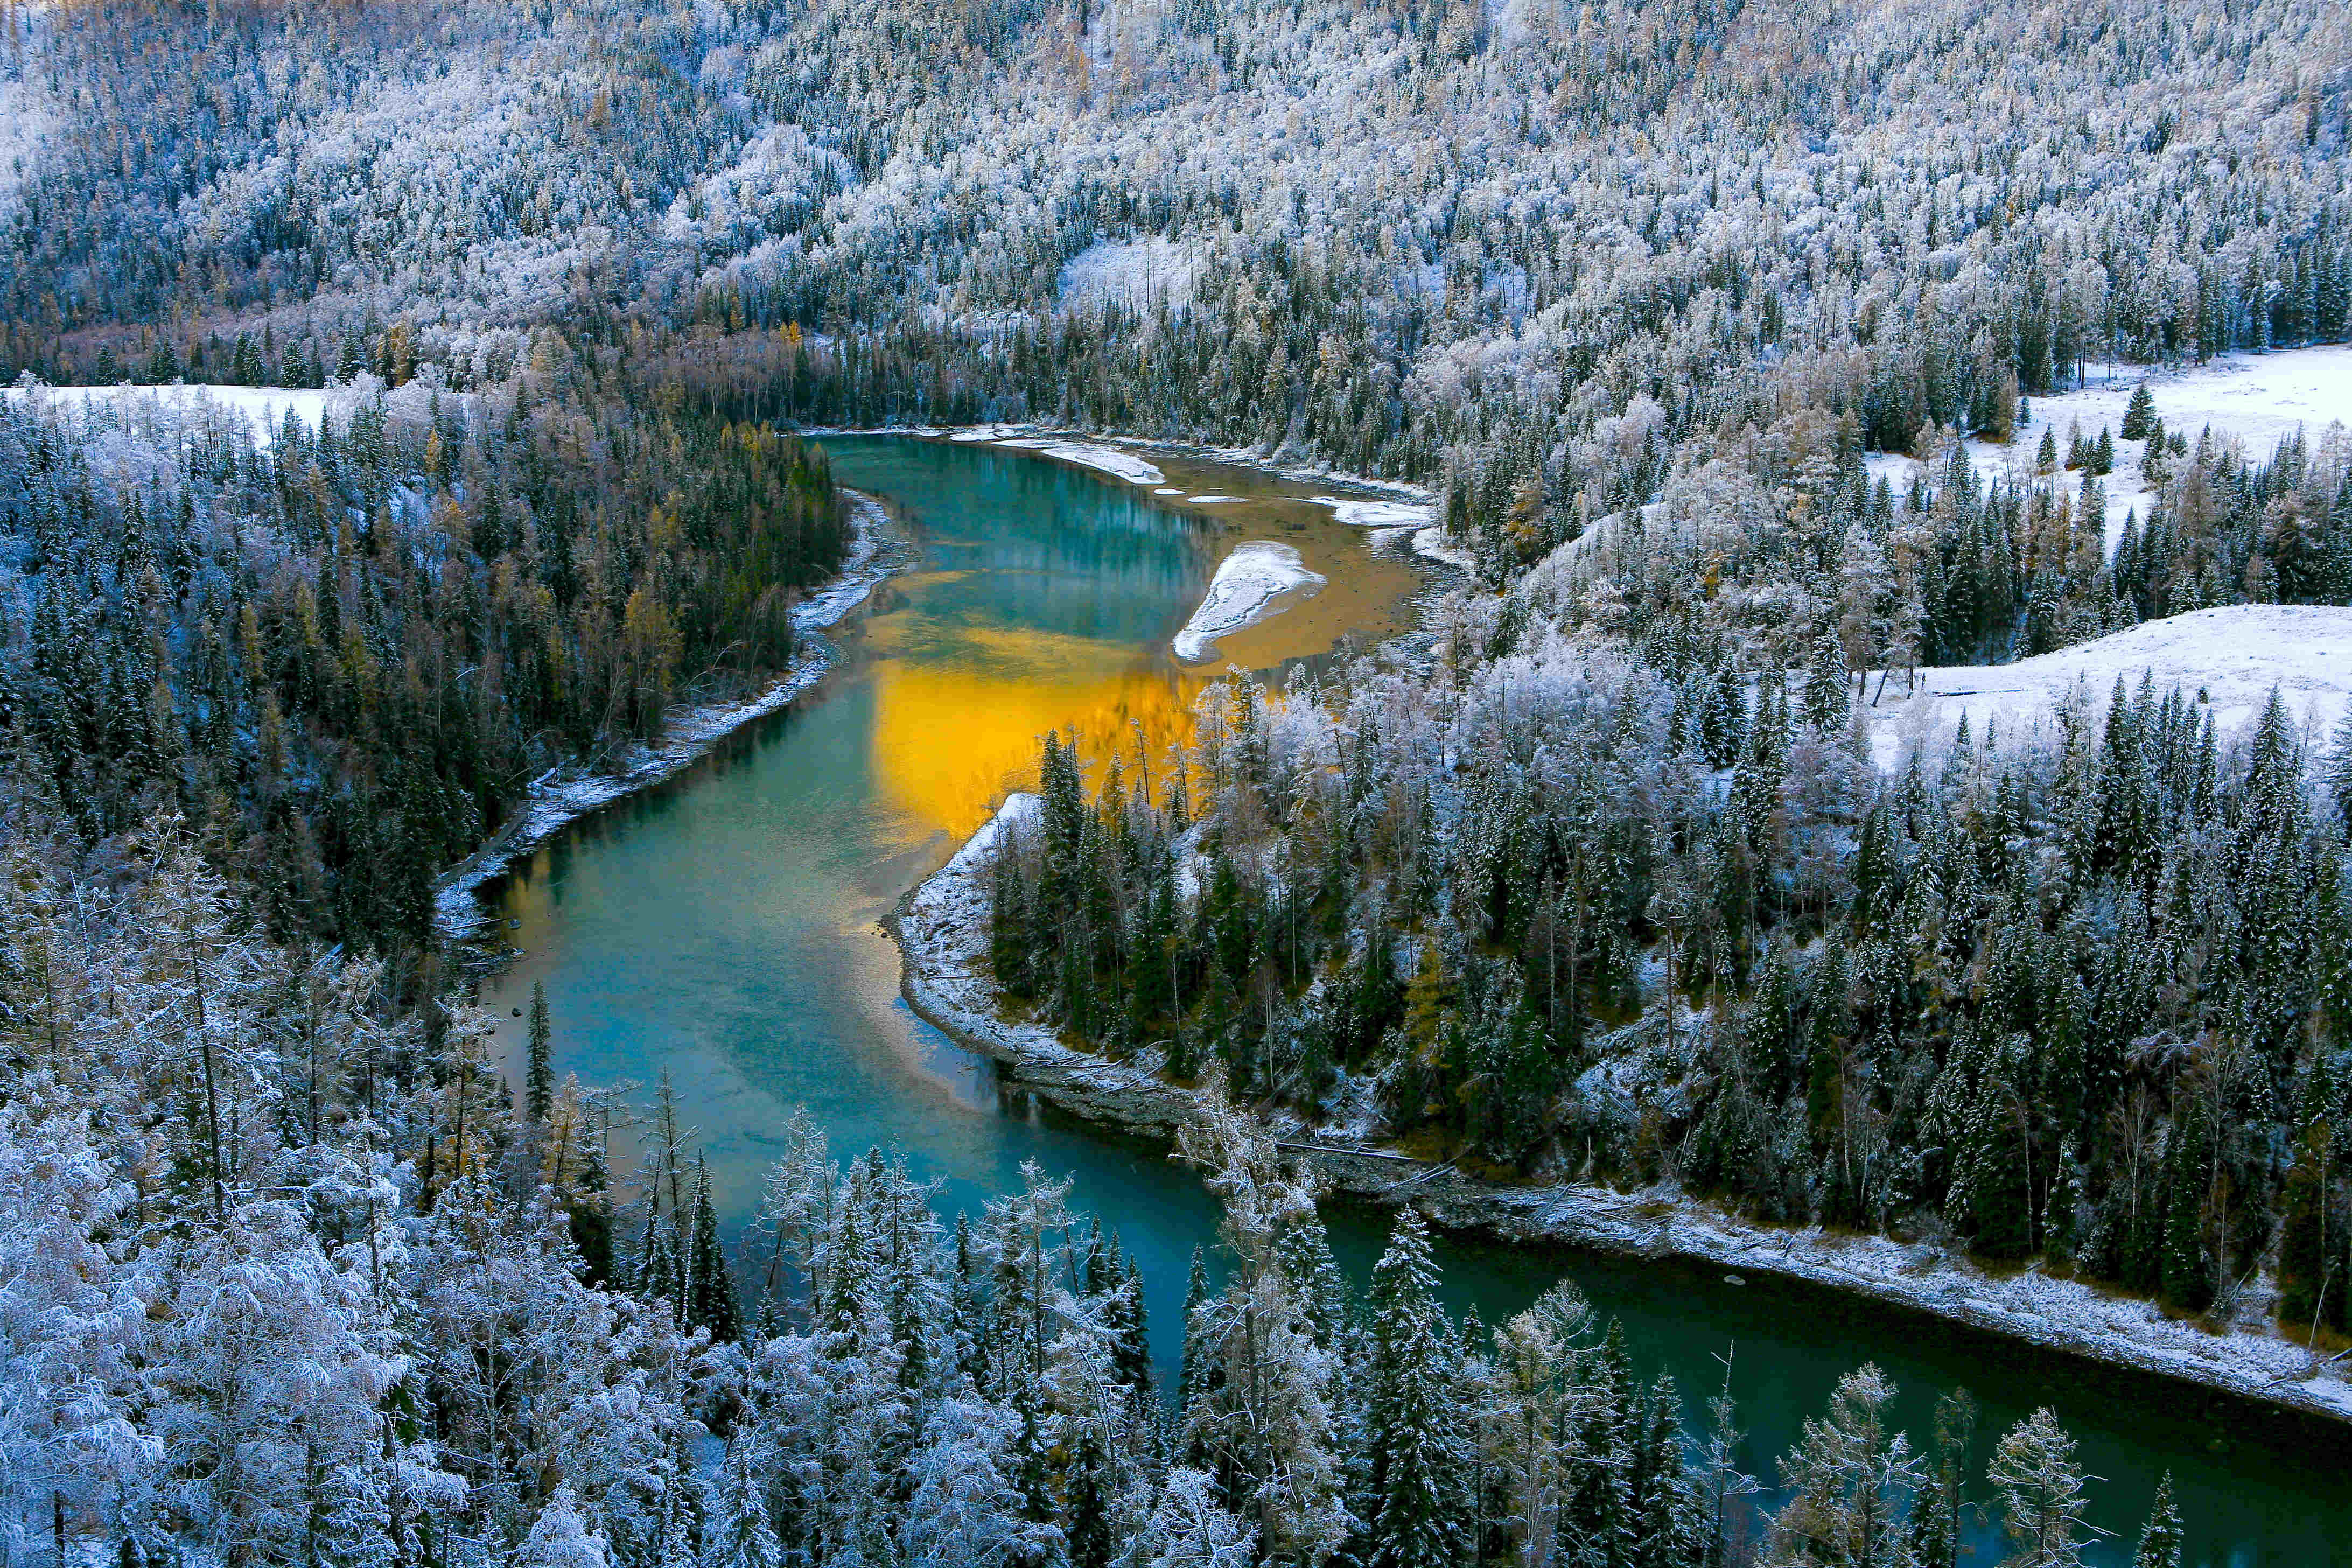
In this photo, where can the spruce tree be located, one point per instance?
(1935, 1533)
(538, 1077)
(1193, 1369)
(1088, 1491)
(1419, 1450)
(713, 1304)
(2160, 1539)
(1829, 703)
(2186, 1274)
(1131, 1349)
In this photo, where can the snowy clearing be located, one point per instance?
(1258, 581)
(1362, 513)
(29, 118)
(1139, 275)
(2234, 654)
(264, 407)
(2258, 399)
(1086, 454)
(1215, 501)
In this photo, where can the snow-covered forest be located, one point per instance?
(339, 653)
(1696, 316)
(288, 1275)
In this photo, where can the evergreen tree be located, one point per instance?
(538, 1076)
(1088, 1492)
(2186, 1263)
(2312, 1246)
(1193, 1369)
(2160, 1538)
(1418, 1462)
(1852, 1481)
(711, 1303)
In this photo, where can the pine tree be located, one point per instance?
(658, 1271)
(742, 1532)
(1936, 1513)
(2160, 1539)
(1828, 701)
(1088, 1492)
(711, 1302)
(1131, 1349)
(2339, 761)
(2187, 1266)
(538, 1076)
(1669, 1523)
(1418, 1477)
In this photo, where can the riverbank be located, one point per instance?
(1413, 520)
(559, 798)
(941, 928)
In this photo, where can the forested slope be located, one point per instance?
(340, 654)
(1604, 884)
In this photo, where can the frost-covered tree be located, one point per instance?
(2041, 1486)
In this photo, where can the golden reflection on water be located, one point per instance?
(960, 705)
(951, 736)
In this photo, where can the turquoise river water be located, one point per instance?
(723, 929)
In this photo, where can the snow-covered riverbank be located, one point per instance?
(555, 802)
(1409, 516)
(1257, 581)
(941, 928)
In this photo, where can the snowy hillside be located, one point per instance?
(2233, 655)
(2257, 399)
(264, 407)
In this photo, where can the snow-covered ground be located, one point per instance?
(1359, 513)
(942, 930)
(1137, 274)
(554, 802)
(1257, 581)
(1415, 505)
(2258, 399)
(1430, 542)
(2232, 655)
(29, 118)
(1087, 454)
(264, 407)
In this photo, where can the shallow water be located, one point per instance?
(723, 929)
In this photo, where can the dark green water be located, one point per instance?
(724, 930)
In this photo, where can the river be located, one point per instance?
(723, 929)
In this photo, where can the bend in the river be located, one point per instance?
(724, 929)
